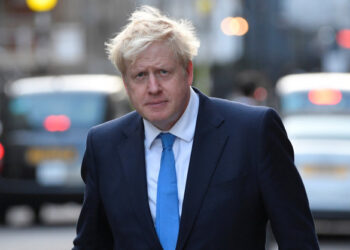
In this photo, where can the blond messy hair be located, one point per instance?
(147, 25)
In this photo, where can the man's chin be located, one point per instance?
(162, 124)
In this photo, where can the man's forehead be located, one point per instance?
(152, 62)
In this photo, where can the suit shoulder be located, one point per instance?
(242, 116)
(244, 111)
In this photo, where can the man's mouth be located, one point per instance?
(156, 104)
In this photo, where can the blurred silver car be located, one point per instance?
(316, 113)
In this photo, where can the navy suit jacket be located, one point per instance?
(241, 174)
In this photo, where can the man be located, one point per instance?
(186, 171)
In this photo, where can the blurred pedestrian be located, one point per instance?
(250, 87)
(184, 170)
(245, 94)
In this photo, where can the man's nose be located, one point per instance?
(153, 84)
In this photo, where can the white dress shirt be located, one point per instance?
(184, 130)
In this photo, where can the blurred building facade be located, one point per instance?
(281, 37)
(68, 39)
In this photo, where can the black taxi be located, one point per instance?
(46, 120)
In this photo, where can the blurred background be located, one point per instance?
(271, 37)
(246, 48)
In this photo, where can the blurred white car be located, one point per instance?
(316, 113)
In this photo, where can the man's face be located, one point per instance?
(158, 85)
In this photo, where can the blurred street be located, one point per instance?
(38, 238)
(58, 231)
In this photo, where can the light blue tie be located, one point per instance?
(167, 214)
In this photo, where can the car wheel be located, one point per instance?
(3, 212)
(37, 217)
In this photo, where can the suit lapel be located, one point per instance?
(208, 144)
(132, 155)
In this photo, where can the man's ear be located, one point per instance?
(124, 80)
(189, 72)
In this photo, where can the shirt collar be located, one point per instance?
(184, 128)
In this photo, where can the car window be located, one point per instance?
(79, 109)
(323, 101)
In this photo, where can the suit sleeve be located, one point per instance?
(93, 231)
(282, 189)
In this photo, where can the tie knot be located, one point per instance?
(167, 140)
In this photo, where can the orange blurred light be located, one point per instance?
(325, 96)
(343, 38)
(234, 26)
(56, 123)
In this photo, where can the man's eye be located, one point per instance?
(141, 74)
(164, 72)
